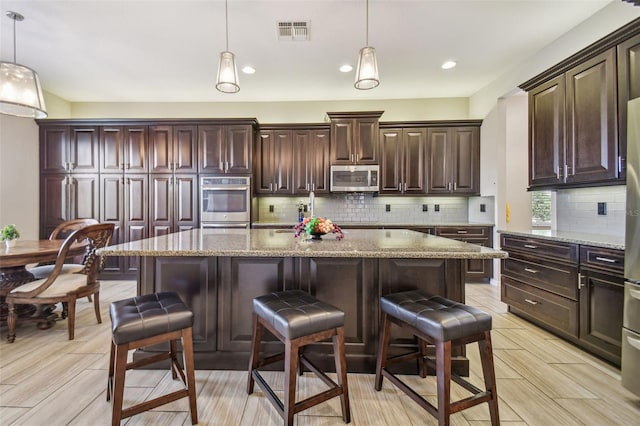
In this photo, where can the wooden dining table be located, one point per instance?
(14, 272)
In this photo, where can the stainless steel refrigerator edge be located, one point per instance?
(631, 316)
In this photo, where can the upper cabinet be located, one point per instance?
(69, 149)
(454, 160)
(311, 160)
(402, 160)
(577, 114)
(225, 148)
(275, 157)
(173, 149)
(354, 137)
(124, 149)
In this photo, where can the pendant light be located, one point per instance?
(227, 81)
(367, 71)
(20, 90)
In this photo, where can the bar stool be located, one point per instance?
(143, 321)
(298, 319)
(440, 322)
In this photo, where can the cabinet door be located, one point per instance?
(601, 307)
(465, 160)
(112, 149)
(54, 149)
(342, 141)
(185, 149)
(281, 164)
(366, 133)
(438, 151)
(160, 149)
(628, 89)
(211, 149)
(54, 202)
(160, 204)
(547, 133)
(592, 144)
(136, 214)
(83, 150)
(414, 144)
(241, 279)
(239, 141)
(135, 149)
(264, 175)
(185, 202)
(112, 211)
(391, 160)
(84, 196)
(318, 160)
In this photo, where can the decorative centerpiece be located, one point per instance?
(9, 235)
(316, 227)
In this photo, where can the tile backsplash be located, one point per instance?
(577, 210)
(364, 207)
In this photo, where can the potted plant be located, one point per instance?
(9, 235)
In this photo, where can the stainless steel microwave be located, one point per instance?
(355, 178)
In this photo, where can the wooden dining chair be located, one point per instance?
(61, 232)
(66, 288)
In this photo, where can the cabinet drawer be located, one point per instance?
(462, 231)
(544, 248)
(597, 257)
(554, 277)
(555, 311)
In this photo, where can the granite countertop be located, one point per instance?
(377, 224)
(357, 243)
(605, 241)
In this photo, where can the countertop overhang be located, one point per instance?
(597, 240)
(357, 243)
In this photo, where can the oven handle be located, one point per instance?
(224, 225)
(225, 188)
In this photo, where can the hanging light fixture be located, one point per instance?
(227, 80)
(367, 71)
(20, 90)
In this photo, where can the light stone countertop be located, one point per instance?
(584, 238)
(377, 224)
(357, 243)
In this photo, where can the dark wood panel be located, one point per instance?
(160, 204)
(342, 141)
(54, 149)
(311, 161)
(366, 150)
(414, 149)
(390, 160)
(185, 149)
(54, 202)
(465, 158)
(628, 88)
(558, 278)
(549, 249)
(239, 143)
(211, 140)
(83, 150)
(84, 196)
(160, 149)
(438, 171)
(608, 260)
(112, 149)
(135, 149)
(185, 196)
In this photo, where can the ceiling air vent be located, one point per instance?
(293, 30)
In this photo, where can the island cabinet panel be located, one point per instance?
(241, 279)
(351, 285)
(195, 281)
(475, 269)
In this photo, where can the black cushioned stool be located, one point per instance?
(298, 319)
(440, 322)
(143, 321)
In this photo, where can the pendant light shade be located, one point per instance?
(20, 90)
(367, 71)
(227, 81)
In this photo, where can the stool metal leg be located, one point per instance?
(189, 364)
(486, 356)
(341, 372)
(443, 368)
(381, 362)
(255, 352)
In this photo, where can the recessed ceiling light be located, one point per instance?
(448, 65)
(346, 68)
(248, 70)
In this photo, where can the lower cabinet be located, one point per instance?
(475, 269)
(575, 291)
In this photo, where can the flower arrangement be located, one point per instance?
(316, 227)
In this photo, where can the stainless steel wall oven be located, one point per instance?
(225, 202)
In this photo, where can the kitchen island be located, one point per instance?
(218, 272)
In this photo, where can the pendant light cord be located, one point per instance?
(367, 25)
(226, 24)
(14, 41)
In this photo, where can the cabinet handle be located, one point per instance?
(449, 186)
(271, 187)
(461, 231)
(558, 173)
(566, 171)
(531, 246)
(532, 271)
(221, 166)
(580, 281)
(226, 166)
(455, 186)
(606, 259)
(531, 302)
(352, 158)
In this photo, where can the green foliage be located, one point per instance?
(9, 232)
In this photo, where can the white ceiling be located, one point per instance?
(167, 51)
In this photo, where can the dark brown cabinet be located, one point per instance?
(402, 160)
(124, 148)
(173, 149)
(275, 162)
(225, 148)
(173, 203)
(311, 148)
(454, 160)
(475, 269)
(628, 89)
(69, 149)
(575, 291)
(354, 137)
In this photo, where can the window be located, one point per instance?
(541, 207)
